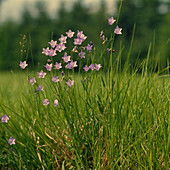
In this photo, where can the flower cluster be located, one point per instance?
(56, 47)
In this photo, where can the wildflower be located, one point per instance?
(111, 21)
(75, 49)
(32, 80)
(78, 41)
(98, 66)
(60, 47)
(91, 67)
(62, 73)
(63, 39)
(57, 66)
(11, 141)
(80, 35)
(48, 67)
(46, 51)
(55, 79)
(70, 34)
(53, 43)
(118, 30)
(70, 83)
(91, 43)
(52, 52)
(101, 33)
(46, 102)
(71, 65)
(82, 54)
(86, 68)
(41, 74)
(40, 88)
(66, 58)
(4, 119)
(23, 64)
(109, 50)
(56, 102)
(88, 47)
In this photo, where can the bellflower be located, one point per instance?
(62, 73)
(56, 103)
(75, 49)
(86, 68)
(11, 141)
(46, 102)
(78, 41)
(70, 83)
(82, 54)
(118, 30)
(111, 21)
(98, 66)
(55, 79)
(23, 64)
(53, 43)
(4, 119)
(48, 67)
(32, 81)
(91, 67)
(52, 52)
(66, 58)
(57, 66)
(63, 39)
(81, 35)
(41, 74)
(46, 51)
(60, 47)
(70, 34)
(88, 47)
(40, 88)
(71, 65)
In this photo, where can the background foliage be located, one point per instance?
(152, 25)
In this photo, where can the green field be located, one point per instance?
(104, 122)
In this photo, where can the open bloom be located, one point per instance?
(60, 47)
(92, 67)
(53, 43)
(41, 74)
(48, 66)
(63, 39)
(46, 51)
(70, 34)
(89, 47)
(40, 88)
(55, 102)
(70, 83)
(98, 66)
(46, 102)
(55, 79)
(23, 64)
(11, 141)
(118, 30)
(4, 119)
(32, 80)
(111, 21)
(71, 65)
(66, 58)
(82, 54)
(86, 68)
(52, 52)
(57, 66)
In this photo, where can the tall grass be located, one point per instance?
(115, 119)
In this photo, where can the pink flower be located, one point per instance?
(70, 34)
(23, 64)
(11, 141)
(46, 102)
(41, 74)
(57, 66)
(118, 30)
(4, 119)
(111, 21)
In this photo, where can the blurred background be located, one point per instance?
(26, 26)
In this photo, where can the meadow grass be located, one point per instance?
(109, 119)
(102, 122)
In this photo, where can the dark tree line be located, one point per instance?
(25, 40)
